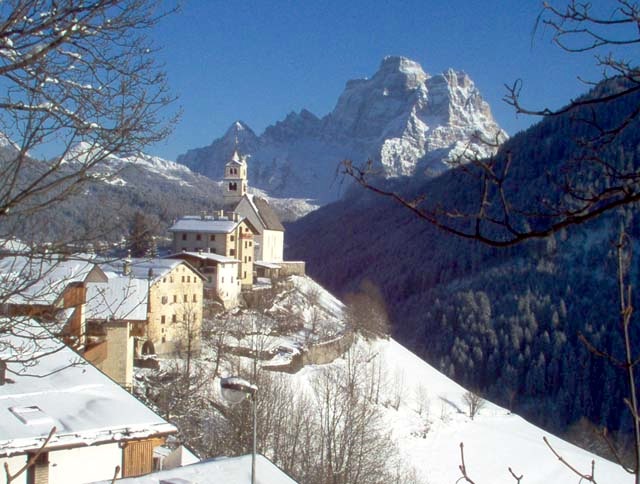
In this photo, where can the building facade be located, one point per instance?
(221, 233)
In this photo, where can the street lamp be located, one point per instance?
(235, 390)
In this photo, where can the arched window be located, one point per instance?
(148, 349)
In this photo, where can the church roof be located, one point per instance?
(266, 213)
(236, 159)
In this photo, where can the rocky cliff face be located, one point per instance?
(403, 119)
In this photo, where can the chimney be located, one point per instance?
(203, 215)
(126, 265)
(3, 372)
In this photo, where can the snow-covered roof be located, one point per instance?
(236, 159)
(147, 269)
(84, 405)
(120, 298)
(221, 259)
(41, 279)
(266, 265)
(227, 470)
(207, 225)
(12, 246)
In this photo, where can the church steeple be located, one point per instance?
(235, 178)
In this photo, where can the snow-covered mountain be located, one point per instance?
(120, 186)
(406, 121)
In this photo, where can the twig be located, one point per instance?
(586, 477)
(517, 478)
(115, 474)
(463, 467)
(31, 461)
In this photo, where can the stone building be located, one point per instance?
(221, 233)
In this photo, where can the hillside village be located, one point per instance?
(140, 320)
(118, 314)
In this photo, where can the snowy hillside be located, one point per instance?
(419, 411)
(493, 441)
(403, 119)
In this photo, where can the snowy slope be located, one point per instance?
(431, 421)
(424, 410)
(403, 119)
(493, 441)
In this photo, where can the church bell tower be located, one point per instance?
(235, 179)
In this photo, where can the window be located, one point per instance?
(231, 279)
(212, 250)
(182, 278)
(184, 298)
(222, 279)
(232, 251)
(250, 244)
(232, 238)
(195, 299)
(245, 275)
(165, 299)
(184, 236)
(174, 319)
(212, 238)
(175, 298)
(246, 244)
(164, 339)
(249, 258)
(188, 278)
(171, 279)
(198, 236)
(162, 319)
(164, 279)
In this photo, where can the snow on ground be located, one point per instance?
(493, 441)
(229, 470)
(427, 414)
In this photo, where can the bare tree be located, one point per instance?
(587, 185)
(367, 312)
(80, 84)
(474, 403)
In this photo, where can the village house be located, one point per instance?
(221, 233)
(220, 272)
(174, 304)
(50, 288)
(115, 311)
(95, 425)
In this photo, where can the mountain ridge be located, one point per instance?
(407, 122)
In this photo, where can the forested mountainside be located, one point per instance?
(104, 207)
(504, 321)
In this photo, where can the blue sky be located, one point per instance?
(256, 61)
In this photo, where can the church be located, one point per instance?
(269, 241)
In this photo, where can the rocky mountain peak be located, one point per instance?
(406, 121)
(394, 68)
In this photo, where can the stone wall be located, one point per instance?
(292, 268)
